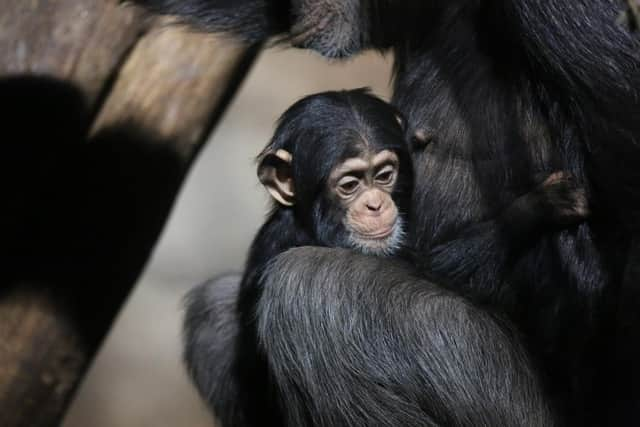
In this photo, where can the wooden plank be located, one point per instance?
(61, 55)
(85, 216)
(173, 85)
(37, 338)
(78, 41)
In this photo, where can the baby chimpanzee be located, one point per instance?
(340, 169)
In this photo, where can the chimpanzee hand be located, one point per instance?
(559, 200)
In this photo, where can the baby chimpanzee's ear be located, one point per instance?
(274, 172)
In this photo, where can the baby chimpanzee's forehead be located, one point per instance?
(324, 129)
(338, 143)
(355, 125)
(336, 112)
(365, 162)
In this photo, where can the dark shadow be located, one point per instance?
(79, 216)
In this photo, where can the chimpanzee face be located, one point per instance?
(362, 188)
(356, 205)
(340, 163)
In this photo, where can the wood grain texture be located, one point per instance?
(173, 84)
(41, 358)
(78, 41)
(155, 91)
(51, 49)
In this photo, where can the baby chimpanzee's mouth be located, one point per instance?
(379, 235)
(381, 243)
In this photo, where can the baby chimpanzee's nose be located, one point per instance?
(374, 205)
(374, 202)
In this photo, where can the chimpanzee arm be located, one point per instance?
(250, 20)
(590, 62)
(334, 28)
(578, 46)
(353, 340)
(476, 260)
(582, 47)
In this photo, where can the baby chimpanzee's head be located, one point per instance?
(340, 162)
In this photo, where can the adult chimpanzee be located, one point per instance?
(504, 90)
(340, 170)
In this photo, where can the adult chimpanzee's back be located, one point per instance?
(504, 92)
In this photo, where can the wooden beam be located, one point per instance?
(174, 84)
(85, 220)
(41, 357)
(78, 41)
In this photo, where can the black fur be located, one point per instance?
(211, 343)
(439, 361)
(320, 132)
(251, 20)
(511, 89)
(242, 381)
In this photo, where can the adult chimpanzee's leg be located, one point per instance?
(353, 340)
(211, 344)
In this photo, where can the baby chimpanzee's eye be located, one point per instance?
(348, 185)
(385, 176)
